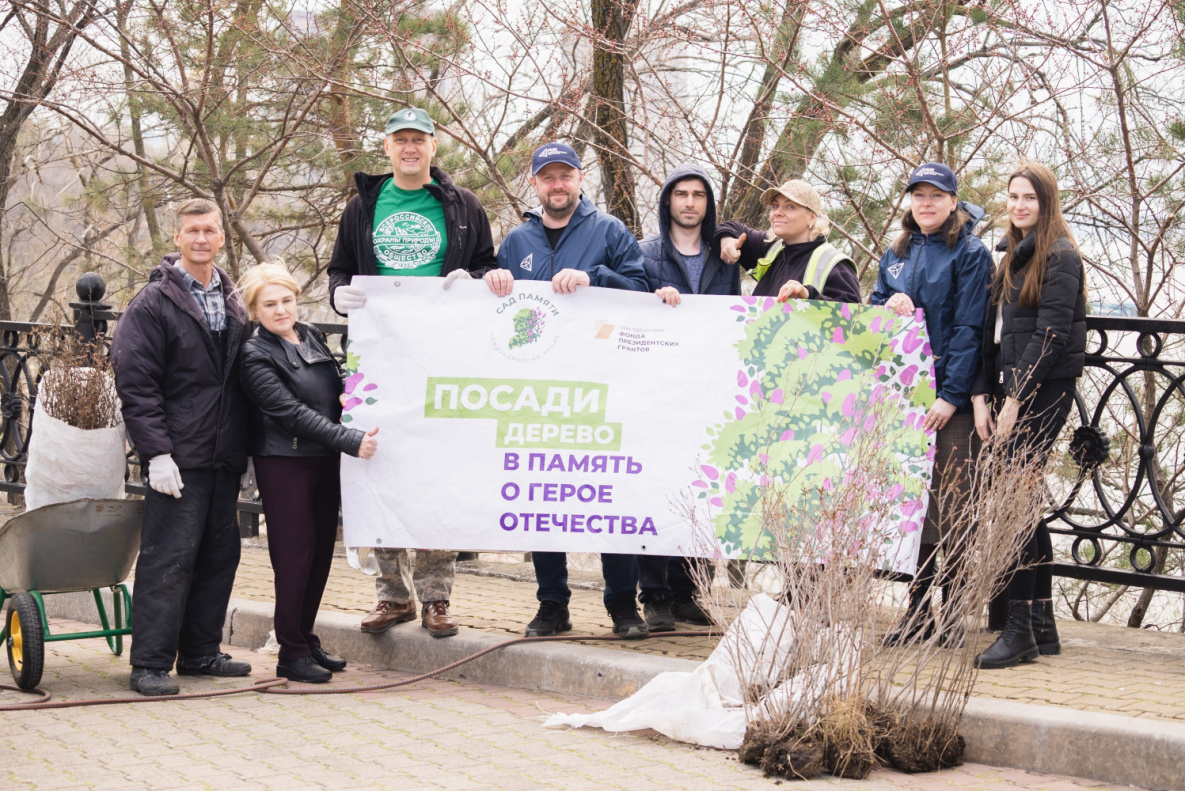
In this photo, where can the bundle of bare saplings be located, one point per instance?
(77, 448)
(855, 700)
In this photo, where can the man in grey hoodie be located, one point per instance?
(680, 259)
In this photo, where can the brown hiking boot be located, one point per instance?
(386, 615)
(438, 620)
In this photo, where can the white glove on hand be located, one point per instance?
(456, 274)
(347, 298)
(163, 475)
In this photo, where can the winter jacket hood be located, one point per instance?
(179, 385)
(950, 286)
(294, 390)
(593, 242)
(664, 264)
(470, 241)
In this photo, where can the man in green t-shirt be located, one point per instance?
(411, 222)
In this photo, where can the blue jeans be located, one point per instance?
(551, 574)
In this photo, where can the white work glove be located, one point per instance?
(347, 298)
(163, 475)
(456, 274)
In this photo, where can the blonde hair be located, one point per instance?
(257, 277)
(194, 206)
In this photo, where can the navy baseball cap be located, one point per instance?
(554, 152)
(934, 173)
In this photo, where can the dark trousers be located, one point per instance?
(666, 577)
(301, 496)
(551, 574)
(1041, 420)
(189, 552)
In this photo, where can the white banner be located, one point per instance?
(607, 421)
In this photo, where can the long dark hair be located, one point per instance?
(950, 230)
(1051, 226)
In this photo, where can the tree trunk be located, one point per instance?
(147, 200)
(752, 140)
(840, 83)
(611, 19)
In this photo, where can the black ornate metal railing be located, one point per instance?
(1120, 522)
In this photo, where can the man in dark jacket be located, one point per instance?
(570, 243)
(411, 222)
(680, 259)
(176, 356)
(566, 240)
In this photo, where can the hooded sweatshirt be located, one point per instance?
(592, 242)
(951, 288)
(664, 264)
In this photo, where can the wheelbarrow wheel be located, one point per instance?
(26, 643)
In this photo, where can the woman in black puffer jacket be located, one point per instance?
(295, 383)
(1034, 350)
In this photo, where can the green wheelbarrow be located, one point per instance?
(63, 548)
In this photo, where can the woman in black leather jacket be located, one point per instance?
(296, 442)
(1033, 353)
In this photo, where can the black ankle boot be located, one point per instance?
(1044, 629)
(1015, 644)
(916, 625)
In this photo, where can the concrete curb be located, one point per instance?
(1096, 746)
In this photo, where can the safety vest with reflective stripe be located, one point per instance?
(818, 268)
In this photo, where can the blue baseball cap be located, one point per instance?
(554, 152)
(934, 173)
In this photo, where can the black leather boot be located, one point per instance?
(1044, 628)
(1016, 643)
(916, 625)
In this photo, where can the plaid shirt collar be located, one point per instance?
(210, 299)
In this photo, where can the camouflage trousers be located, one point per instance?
(433, 575)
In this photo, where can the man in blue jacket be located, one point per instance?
(680, 259)
(570, 243)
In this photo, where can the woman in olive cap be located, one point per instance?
(793, 259)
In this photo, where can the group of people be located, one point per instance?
(202, 389)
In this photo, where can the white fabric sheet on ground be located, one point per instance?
(706, 706)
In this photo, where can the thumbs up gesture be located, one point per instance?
(730, 249)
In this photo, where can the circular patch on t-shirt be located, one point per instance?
(405, 240)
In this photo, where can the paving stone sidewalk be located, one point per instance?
(1102, 668)
(434, 735)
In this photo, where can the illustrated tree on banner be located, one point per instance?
(812, 378)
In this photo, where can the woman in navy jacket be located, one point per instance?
(939, 266)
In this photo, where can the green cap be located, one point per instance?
(411, 118)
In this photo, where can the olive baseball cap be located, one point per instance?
(411, 118)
